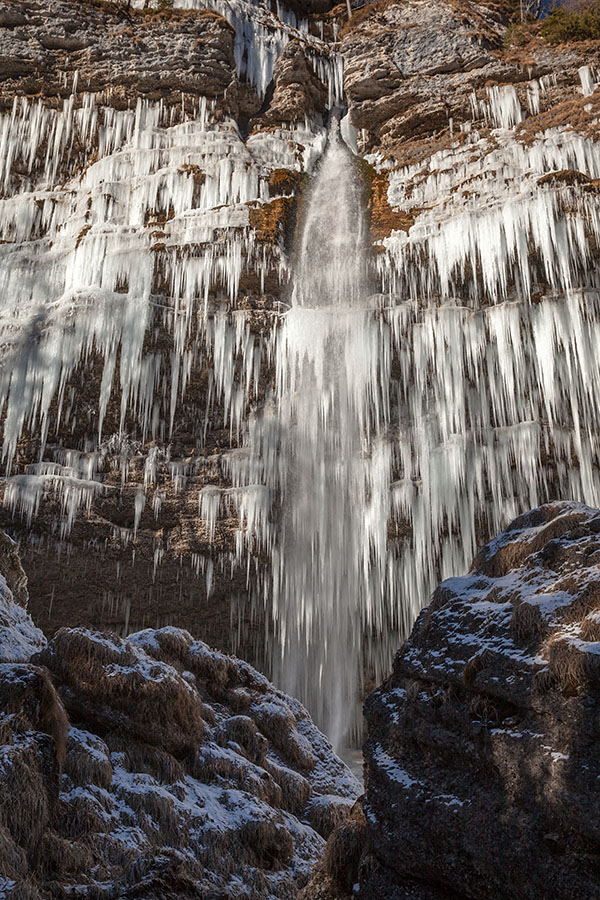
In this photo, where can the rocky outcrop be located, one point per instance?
(297, 91)
(156, 767)
(413, 71)
(481, 760)
(137, 55)
(409, 66)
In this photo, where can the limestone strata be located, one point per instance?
(152, 55)
(407, 65)
(410, 69)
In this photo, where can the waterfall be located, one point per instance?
(368, 442)
(318, 446)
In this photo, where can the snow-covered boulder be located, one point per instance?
(481, 762)
(180, 772)
(483, 773)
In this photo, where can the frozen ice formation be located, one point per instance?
(378, 413)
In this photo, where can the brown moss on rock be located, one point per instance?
(286, 181)
(384, 219)
(27, 692)
(362, 15)
(565, 176)
(273, 221)
(334, 877)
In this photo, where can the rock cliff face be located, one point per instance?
(153, 164)
(153, 169)
(176, 140)
(156, 768)
(481, 759)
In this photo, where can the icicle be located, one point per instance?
(588, 83)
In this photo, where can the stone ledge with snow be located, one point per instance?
(483, 775)
(156, 767)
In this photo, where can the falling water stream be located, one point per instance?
(320, 448)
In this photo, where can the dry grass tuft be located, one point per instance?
(211, 766)
(286, 182)
(146, 758)
(156, 814)
(512, 555)
(115, 685)
(590, 627)
(27, 791)
(326, 813)
(243, 731)
(272, 221)
(573, 665)
(81, 815)
(565, 176)
(87, 760)
(13, 862)
(526, 623)
(276, 721)
(295, 789)
(345, 849)
(61, 857)
(270, 843)
(177, 647)
(475, 665)
(27, 691)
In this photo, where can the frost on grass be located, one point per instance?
(179, 770)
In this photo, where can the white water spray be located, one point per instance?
(317, 446)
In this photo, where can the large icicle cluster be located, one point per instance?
(492, 317)
(162, 196)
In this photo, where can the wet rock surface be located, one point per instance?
(481, 757)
